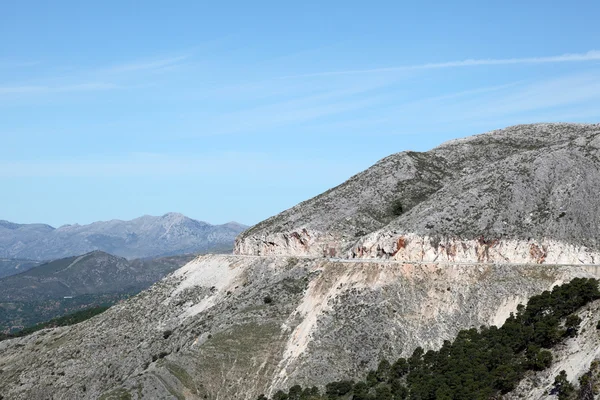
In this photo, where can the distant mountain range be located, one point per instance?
(146, 236)
(69, 284)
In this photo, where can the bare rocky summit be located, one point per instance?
(522, 194)
(147, 236)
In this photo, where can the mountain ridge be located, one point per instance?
(526, 183)
(91, 279)
(12, 266)
(145, 236)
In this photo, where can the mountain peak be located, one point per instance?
(525, 187)
(146, 236)
(174, 215)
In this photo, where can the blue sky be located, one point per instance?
(239, 110)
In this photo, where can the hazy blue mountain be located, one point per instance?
(146, 236)
(12, 266)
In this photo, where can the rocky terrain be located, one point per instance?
(146, 236)
(524, 194)
(231, 327)
(405, 254)
(53, 288)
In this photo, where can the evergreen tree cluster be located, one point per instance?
(478, 364)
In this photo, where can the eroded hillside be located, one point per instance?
(232, 327)
(404, 254)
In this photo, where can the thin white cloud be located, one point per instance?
(592, 55)
(291, 111)
(41, 89)
(560, 92)
(416, 106)
(573, 97)
(147, 65)
(17, 64)
(94, 80)
(255, 166)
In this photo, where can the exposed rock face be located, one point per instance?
(206, 330)
(146, 236)
(438, 249)
(528, 187)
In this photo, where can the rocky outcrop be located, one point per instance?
(232, 327)
(526, 186)
(454, 250)
(302, 242)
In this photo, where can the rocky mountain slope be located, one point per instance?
(231, 327)
(522, 194)
(146, 236)
(48, 290)
(417, 247)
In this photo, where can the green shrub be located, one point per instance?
(397, 208)
(66, 320)
(562, 386)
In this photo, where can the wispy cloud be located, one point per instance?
(17, 64)
(41, 89)
(573, 97)
(558, 92)
(592, 55)
(100, 79)
(256, 166)
(146, 65)
(293, 110)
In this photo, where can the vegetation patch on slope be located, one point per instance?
(66, 320)
(15, 316)
(478, 364)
